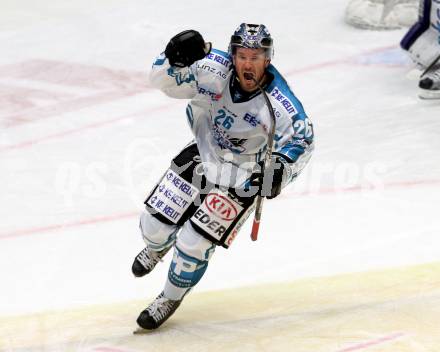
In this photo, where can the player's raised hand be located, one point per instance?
(186, 48)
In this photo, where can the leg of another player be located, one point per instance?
(429, 85)
(423, 45)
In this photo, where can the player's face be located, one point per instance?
(252, 61)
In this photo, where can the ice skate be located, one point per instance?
(146, 260)
(429, 85)
(157, 312)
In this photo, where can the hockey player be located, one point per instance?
(423, 44)
(209, 190)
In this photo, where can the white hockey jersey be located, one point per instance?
(230, 128)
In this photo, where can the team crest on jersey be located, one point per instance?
(236, 145)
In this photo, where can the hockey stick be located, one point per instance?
(430, 66)
(267, 157)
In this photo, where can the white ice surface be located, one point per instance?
(77, 159)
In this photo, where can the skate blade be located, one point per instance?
(141, 331)
(429, 95)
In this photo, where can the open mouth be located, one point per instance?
(248, 76)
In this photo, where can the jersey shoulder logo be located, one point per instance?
(283, 100)
(220, 57)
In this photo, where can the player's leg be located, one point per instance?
(190, 261)
(415, 34)
(423, 45)
(422, 39)
(168, 206)
(158, 237)
(429, 85)
(215, 222)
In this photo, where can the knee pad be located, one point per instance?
(193, 244)
(155, 233)
(426, 48)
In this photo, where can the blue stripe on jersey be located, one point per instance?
(189, 115)
(291, 151)
(280, 83)
(280, 90)
(302, 138)
(221, 52)
(159, 61)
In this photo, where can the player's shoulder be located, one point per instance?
(282, 95)
(212, 73)
(221, 57)
(215, 61)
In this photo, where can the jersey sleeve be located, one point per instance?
(300, 141)
(297, 148)
(175, 82)
(204, 79)
(294, 132)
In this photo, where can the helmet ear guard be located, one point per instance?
(252, 36)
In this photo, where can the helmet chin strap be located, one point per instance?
(250, 76)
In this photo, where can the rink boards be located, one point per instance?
(390, 310)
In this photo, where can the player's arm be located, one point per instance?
(296, 151)
(288, 159)
(173, 71)
(292, 154)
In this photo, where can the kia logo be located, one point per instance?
(221, 207)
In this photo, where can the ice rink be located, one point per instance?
(348, 257)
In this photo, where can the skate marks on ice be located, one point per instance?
(38, 89)
(391, 310)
